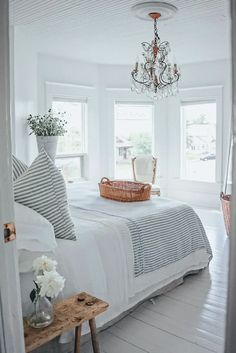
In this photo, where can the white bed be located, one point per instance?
(101, 261)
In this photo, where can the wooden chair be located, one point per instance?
(144, 170)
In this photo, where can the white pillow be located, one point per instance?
(33, 231)
(26, 259)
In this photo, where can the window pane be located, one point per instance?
(199, 141)
(70, 167)
(134, 126)
(73, 141)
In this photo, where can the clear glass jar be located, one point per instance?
(42, 315)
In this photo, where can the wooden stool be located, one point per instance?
(68, 314)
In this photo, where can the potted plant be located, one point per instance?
(47, 128)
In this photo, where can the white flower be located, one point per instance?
(42, 264)
(50, 283)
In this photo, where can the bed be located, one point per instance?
(125, 252)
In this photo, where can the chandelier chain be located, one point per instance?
(156, 31)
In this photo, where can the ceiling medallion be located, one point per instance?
(155, 75)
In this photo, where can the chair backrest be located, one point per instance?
(144, 168)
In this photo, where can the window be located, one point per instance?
(72, 147)
(198, 141)
(133, 135)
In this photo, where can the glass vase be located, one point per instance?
(42, 315)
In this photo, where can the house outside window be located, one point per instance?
(133, 135)
(198, 157)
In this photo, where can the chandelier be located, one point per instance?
(155, 75)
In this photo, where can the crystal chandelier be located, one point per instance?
(155, 75)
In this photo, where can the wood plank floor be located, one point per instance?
(189, 319)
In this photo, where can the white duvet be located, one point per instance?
(101, 261)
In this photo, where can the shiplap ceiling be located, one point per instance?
(105, 31)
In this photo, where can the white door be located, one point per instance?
(230, 340)
(11, 331)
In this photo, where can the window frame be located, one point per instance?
(111, 95)
(183, 175)
(204, 95)
(81, 155)
(84, 103)
(194, 192)
(70, 91)
(132, 102)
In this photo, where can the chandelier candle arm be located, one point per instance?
(155, 76)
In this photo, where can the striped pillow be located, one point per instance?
(18, 167)
(43, 189)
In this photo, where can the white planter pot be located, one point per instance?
(49, 143)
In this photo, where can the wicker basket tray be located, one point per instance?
(225, 203)
(126, 191)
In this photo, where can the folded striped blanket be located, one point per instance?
(165, 237)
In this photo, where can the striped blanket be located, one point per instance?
(165, 237)
(162, 231)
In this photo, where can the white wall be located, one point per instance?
(24, 93)
(60, 70)
(109, 83)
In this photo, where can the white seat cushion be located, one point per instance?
(156, 189)
(143, 166)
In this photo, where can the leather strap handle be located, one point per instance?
(105, 180)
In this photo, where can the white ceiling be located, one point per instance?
(105, 31)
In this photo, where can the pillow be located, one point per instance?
(43, 189)
(18, 167)
(34, 232)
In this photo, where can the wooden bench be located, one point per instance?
(68, 314)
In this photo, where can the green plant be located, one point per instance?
(142, 143)
(49, 124)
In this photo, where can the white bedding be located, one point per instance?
(101, 261)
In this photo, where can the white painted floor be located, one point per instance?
(189, 319)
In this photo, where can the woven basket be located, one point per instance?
(126, 191)
(225, 203)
